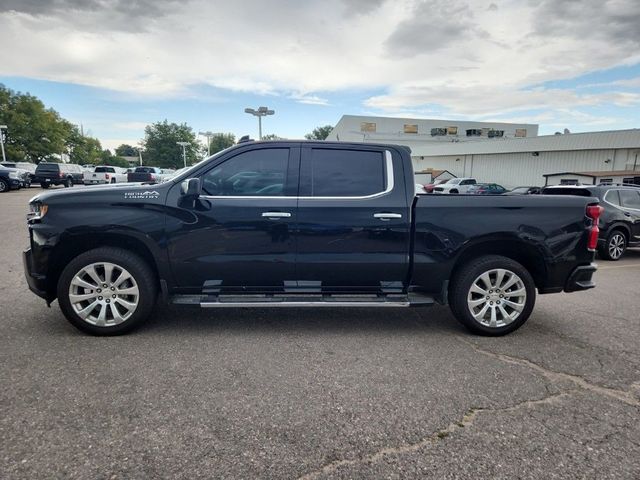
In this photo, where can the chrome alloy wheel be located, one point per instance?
(496, 298)
(616, 246)
(104, 294)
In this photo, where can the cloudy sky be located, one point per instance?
(116, 65)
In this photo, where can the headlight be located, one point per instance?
(37, 210)
(15, 175)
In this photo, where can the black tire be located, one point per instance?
(614, 246)
(68, 183)
(464, 280)
(44, 185)
(140, 271)
(4, 186)
(113, 180)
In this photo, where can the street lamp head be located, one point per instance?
(3, 126)
(250, 110)
(184, 144)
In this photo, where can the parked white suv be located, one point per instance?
(105, 174)
(455, 185)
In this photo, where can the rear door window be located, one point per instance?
(630, 199)
(331, 172)
(612, 197)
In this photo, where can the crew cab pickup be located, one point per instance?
(304, 223)
(105, 174)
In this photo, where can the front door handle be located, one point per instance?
(385, 217)
(276, 215)
(627, 214)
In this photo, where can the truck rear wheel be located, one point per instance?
(492, 295)
(107, 291)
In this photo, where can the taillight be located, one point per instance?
(593, 212)
(61, 175)
(106, 176)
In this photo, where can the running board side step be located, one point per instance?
(299, 300)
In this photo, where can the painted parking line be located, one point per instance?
(620, 266)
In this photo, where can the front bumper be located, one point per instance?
(581, 278)
(37, 283)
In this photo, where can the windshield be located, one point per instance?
(48, 167)
(581, 192)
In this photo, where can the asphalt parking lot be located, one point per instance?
(324, 393)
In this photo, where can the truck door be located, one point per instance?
(239, 234)
(353, 219)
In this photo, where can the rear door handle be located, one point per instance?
(386, 216)
(276, 215)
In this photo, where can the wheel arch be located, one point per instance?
(526, 254)
(619, 226)
(72, 245)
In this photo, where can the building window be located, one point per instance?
(495, 133)
(632, 180)
(452, 130)
(410, 128)
(368, 127)
(474, 132)
(435, 132)
(521, 132)
(606, 180)
(569, 181)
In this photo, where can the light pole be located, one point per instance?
(184, 151)
(2, 127)
(209, 136)
(260, 112)
(139, 150)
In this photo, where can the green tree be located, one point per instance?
(126, 150)
(162, 149)
(319, 133)
(220, 141)
(34, 132)
(272, 136)
(84, 150)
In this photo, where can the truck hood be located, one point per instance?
(116, 192)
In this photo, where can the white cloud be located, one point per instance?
(472, 57)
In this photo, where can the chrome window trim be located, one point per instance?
(387, 190)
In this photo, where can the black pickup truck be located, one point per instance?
(296, 223)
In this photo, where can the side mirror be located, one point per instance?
(190, 187)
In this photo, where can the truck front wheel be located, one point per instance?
(492, 295)
(107, 291)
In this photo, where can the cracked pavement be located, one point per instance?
(320, 394)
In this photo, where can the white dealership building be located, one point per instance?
(505, 153)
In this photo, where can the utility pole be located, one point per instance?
(260, 112)
(2, 127)
(209, 135)
(184, 151)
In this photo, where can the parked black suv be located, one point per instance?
(620, 220)
(67, 174)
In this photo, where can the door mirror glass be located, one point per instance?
(190, 187)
